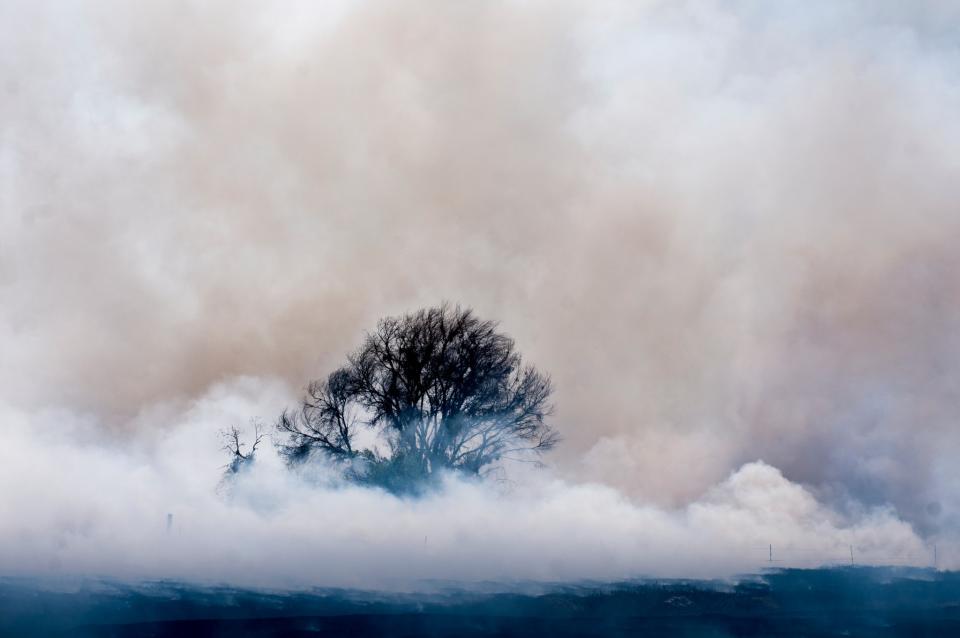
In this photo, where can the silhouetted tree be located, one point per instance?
(441, 389)
(234, 446)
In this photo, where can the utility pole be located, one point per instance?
(851, 554)
(169, 522)
(771, 553)
(934, 556)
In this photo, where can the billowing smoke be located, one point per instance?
(82, 506)
(727, 230)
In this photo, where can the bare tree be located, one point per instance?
(442, 389)
(234, 446)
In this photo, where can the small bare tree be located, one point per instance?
(234, 446)
(441, 389)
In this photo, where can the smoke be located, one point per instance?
(83, 506)
(727, 230)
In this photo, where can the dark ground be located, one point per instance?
(852, 601)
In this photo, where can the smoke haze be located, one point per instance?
(91, 508)
(727, 230)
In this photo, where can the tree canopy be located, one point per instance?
(440, 389)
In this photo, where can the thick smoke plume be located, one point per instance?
(728, 230)
(83, 507)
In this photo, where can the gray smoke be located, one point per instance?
(727, 229)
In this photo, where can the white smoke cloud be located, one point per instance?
(82, 505)
(727, 229)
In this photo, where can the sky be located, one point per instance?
(726, 229)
